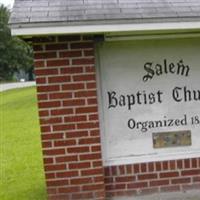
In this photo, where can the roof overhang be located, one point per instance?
(173, 27)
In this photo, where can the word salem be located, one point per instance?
(166, 67)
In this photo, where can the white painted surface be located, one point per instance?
(9, 86)
(122, 70)
(104, 28)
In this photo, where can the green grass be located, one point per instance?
(22, 176)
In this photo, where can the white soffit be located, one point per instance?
(106, 28)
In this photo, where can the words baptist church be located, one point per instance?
(118, 94)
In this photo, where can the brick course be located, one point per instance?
(68, 111)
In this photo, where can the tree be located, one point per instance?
(15, 54)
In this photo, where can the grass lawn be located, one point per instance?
(21, 165)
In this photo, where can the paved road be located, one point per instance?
(9, 86)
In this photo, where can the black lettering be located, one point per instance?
(176, 94)
(149, 70)
(182, 69)
(112, 99)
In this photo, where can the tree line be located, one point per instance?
(15, 54)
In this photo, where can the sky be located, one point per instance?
(8, 3)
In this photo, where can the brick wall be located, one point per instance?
(153, 177)
(67, 101)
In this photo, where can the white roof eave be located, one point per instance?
(105, 28)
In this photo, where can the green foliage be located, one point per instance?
(15, 54)
(22, 174)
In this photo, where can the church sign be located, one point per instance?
(150, 98)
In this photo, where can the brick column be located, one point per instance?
(67, 101)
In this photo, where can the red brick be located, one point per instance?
(83, 149)
(158, 166)
(94, 117)
(194, 163)
(66, 159)
(60, 95)
(89, 141)
(81, 45)
(190, 172)
(172, 165)
(125, 179)
(63, 127)
(88, 125)
(94, 156)
(96, 164)
(169, 174)
(196, 179)
(49, 88)
(43, 113)
(63, 111)
(96, 148)
(77, 134)
(67, 174)
(74, 102)
(79, 165)
(42, 97)
(136, 168)
(159, 183)
(52, 152)
(91, 172)
(45, 55)
(59, 79)
(52, 136)
(70, 54)
(89, 52)
(51, 120)
(45, 129)
(143, 167)
(180, 164)
(64, 143)
(55, 167)
(187, 163)
(90, 93)
(165, 165)
(50, 176)
(57, 182)
(80, 181)
(180, 180)
(39, 64)
(48, 160)
(84, 77)
(92, 109)
(92, 101)
(94, 133)
(46, 145)
(71, 70)
(77, 118)
(147, 176)
(69, 189)
(93, 187)
(41, 80)
(46, 72)
(57, 63)
(49, 104)
(137, 185)
(150, 167)
(91, 85)
(57, 46)
(73, 86)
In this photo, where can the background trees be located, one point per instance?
(15, 54)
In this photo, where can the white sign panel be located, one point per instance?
(149, 87)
